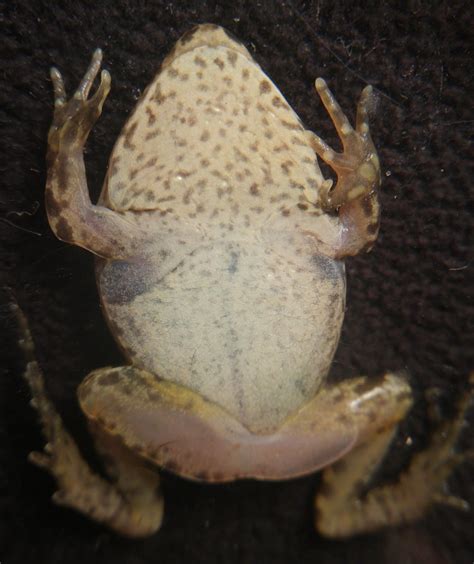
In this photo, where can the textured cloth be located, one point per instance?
(409, 302)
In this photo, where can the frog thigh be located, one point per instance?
(183, 432)
(342, 508)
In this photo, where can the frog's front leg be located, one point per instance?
(71, 214)
(345, 506)
(130, 504)
(355, 196)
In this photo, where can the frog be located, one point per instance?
(219, 252)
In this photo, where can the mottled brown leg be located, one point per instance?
(72, 216)
(131, 505)
(355, 195)
(341, 508)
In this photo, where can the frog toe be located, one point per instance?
(74, 118)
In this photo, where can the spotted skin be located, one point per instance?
(218, 246)
(212, 140)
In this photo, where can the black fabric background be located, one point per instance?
(409, 301)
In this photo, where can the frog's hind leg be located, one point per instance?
(131, 506)
(343, 510)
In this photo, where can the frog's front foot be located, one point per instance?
(355, 195)
(74, 118)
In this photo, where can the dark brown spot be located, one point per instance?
(297, 141)
(219, 62)
(64, 230)
(205, 135)
(372, 228)
(127, 143)
(245, 74)
(187, 195)
(158, 95)
(290, 125)
(205, 163)
(265, 87)
(151, 162)
(285, 166)
(279, 197)
(303, 206)
(367, 206)
(240, 156)
(151, 116)
(113, 169)
(285, 212)
(200, 62)
(277, 102)
(254, 189)
(217, 173)
(133, 173)
(172, 72)
(52, 205)
(232, 57)
(184, 76)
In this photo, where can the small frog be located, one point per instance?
(219, 249)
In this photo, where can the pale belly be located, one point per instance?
(243, 327)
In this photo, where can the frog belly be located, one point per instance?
(244, 327)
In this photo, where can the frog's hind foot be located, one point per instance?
(78, 486)
(343, 509)
(433, 466)
(355, 196)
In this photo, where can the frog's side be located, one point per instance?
(219, 268)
